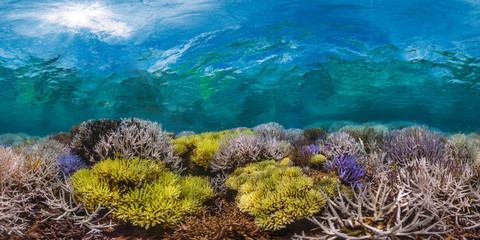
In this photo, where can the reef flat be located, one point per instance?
(130, 178)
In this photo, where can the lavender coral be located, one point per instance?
(312, 149)
(414, 143)
(347, 168)
(70, 163)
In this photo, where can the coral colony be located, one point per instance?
(356, 182)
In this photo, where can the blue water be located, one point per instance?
(215, 64)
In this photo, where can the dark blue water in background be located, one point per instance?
(212, 64)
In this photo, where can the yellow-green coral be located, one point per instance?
(203, 145)
(317, 159)
(141, 191)
(275, 193)
(165, 201)
(128, 170)
(328, 185)
(96, 191)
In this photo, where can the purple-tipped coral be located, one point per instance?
(69, 164)
(347, 168)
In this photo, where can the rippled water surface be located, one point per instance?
(212, 64)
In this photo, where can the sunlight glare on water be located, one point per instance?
(93, 16)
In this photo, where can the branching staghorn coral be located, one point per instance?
(369, 135)
(65, 206)
(86, 135)
(275, 130)
(236, 150)
(461, 147)
(217, 183)
(414, 143)
(185, 134)
(340, 143)
(271, 129)
(139, 138)
(294, 135)
(372, 213)
(27, 175)
(15, 180)
(277, 194)
(379, 168)
(441, 189)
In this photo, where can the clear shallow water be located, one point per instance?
(210, 65)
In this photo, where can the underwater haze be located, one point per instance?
(207, 65)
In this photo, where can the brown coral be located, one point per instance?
(223, 221)
(313, 134)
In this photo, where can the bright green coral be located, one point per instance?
(275, 193)
(141, 191)
(203, 146)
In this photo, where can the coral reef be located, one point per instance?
(140, 191)
(461, 147)
(275, 130)
(369, 135)
(69, 164)
(15, 179)
(139, 138)
(341, 143)
(362, 182)
(414, 143)
(314, 134)
(27, 176)
(223, 221)
(271, 129)
(275, 193)
(317, 160)
(373, 213)
(236, 150)
(307, 155)
(64, 138)
(200, 149)
(347, 169)
(16, 138)
(86, 135)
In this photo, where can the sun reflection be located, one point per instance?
(93, 16)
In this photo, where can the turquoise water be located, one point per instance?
(211, 64)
